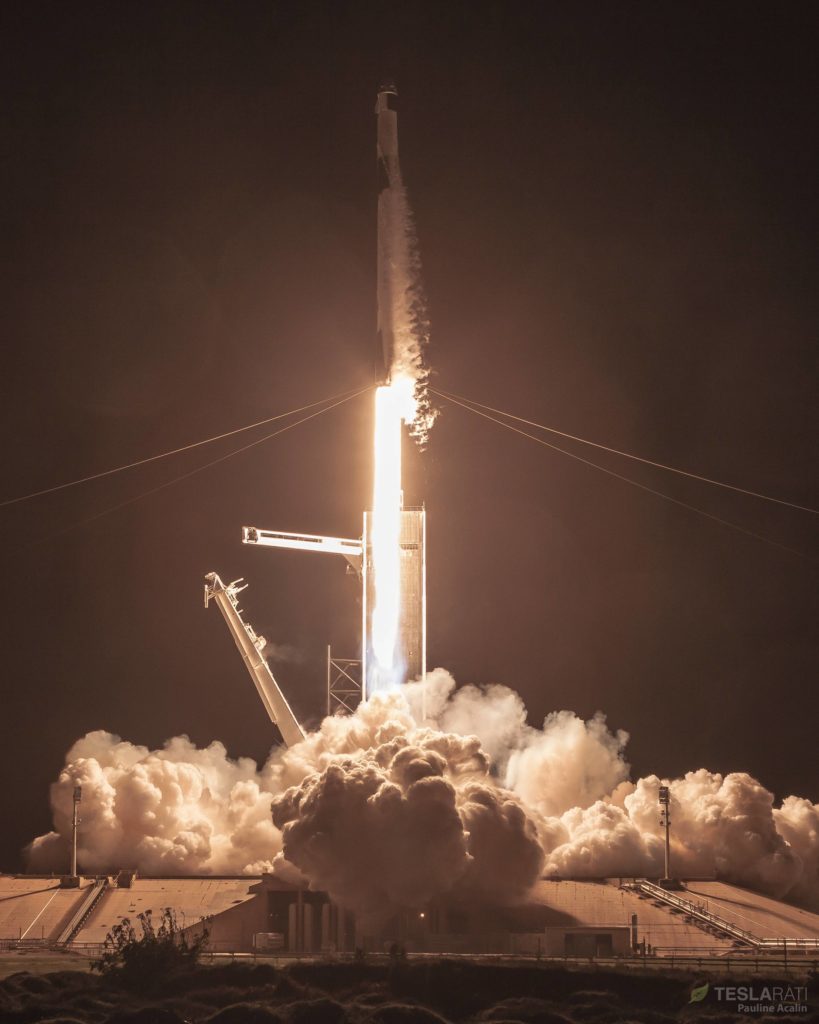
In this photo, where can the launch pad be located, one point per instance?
(606, 920)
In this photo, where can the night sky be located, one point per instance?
(617, 216)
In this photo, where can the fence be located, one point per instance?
(670, 960)
(664, 958)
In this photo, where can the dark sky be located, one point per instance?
(617, 214)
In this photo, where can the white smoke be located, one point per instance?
(569, 763)
(391, 812)
(495, 714)
(426, 791)
(170, 811)
(797, 821)
(283, 654)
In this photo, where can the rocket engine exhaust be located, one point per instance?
(402, 399)
(394, 405)
(403, 327)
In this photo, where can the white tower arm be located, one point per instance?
(351, 549)
(250, 647)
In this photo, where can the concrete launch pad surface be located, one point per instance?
(605, 904)
(37, 908)
(223, 900)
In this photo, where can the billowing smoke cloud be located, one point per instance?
(412, 817)
(423, 792)
(172, 811)
(797, 821)
(569, 763)
(723, 825)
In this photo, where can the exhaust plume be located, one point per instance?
(403, 323)
(387, 808)
(408, 303)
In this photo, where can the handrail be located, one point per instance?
(703, 914)
(697, 911)
(83, 912)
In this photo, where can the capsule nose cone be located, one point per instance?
(388, 85)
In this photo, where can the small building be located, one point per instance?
(589, 941)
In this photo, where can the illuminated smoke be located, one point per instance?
(568, 763)
(413, 814)
(171, 811)
(797, 821)
(387, 808)
(723, 825)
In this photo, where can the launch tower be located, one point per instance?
(410, 649)
(411, 654)
(251, 647)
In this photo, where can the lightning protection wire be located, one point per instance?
(202, 468)
(352, 392)
(628, 480)
(630, 455)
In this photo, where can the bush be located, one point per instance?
(146, 959)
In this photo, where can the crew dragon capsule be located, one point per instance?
(391, 199)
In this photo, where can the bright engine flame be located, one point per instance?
(395, 403)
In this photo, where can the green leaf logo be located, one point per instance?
(699, 993)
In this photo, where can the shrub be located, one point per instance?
(143, 960)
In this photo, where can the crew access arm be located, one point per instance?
(250, 647)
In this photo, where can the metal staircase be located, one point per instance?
(699, 913)
(83, 912)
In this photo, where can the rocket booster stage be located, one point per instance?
(390, 201)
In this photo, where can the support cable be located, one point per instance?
(176, 451)
(634, 483)
(202, 468)
(630, 455)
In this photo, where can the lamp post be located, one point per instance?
(665, 819)
(74, 822)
